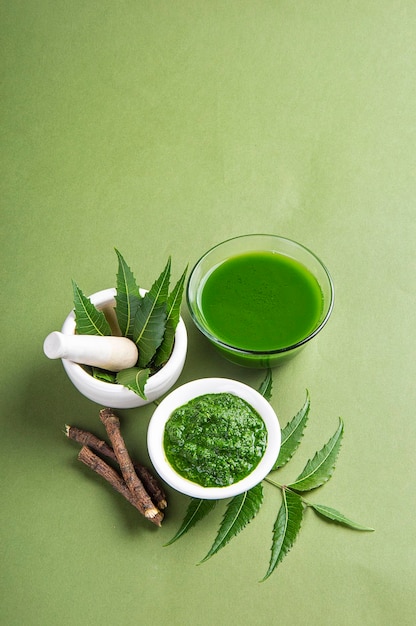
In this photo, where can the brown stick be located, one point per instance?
(151, 485)
(133, 482)
(99, 466)
(149, 481)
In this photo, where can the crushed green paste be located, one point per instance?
(215, 440)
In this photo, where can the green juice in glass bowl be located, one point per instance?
(259, 298)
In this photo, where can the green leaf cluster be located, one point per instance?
(150, 320)
(241, 509)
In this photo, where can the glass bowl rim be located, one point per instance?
(222, 344)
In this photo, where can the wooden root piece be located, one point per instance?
(133, 482)
(151, 485)
(102, 468)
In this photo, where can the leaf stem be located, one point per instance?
(286, 488)
(272, 482)
(322, 510)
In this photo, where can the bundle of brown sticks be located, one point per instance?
(135, 481)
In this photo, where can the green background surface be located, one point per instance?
(162, 128)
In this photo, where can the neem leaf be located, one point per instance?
(197, 510)
(104, 375)
(128, 296)
(88, 319)
(265, 388)
(150, 318)
(173, 313)
(286, 528)
(336, 516)
(292, 434)
(240, 511)
(320, 469)
(135, 379)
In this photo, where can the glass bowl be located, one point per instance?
(293, 253)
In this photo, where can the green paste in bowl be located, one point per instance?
(215, 439)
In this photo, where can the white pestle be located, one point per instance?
(109, 353)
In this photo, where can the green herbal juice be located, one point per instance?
(261, 301)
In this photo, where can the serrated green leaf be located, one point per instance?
(150, 318)
(292, 434)
(172, 319)
(88, 319)
(336, 516)
(266, 386)
(104, 375)
(197, 510)
(135, 379)
(319, 470)
(127, 298)
(286, 529)
(240, 511)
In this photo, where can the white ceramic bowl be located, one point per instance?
(184, 394)
(116, 396)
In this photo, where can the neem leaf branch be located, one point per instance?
(242, 509)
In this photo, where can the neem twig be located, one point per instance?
(151, 485)
(88, 439)
(133, 482)
(149, 481)
(99, 466)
